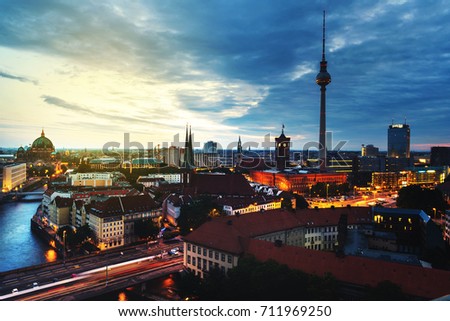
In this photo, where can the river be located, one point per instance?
(19, 247)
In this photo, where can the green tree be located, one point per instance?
(83, 234)
(300, 201)
(146, 228)
(84, 168)
(269, 280)
(416, 197)
(195, 214)
(386, 291)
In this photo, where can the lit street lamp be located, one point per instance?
(64, 247)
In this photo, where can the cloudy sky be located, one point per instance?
(90, 71)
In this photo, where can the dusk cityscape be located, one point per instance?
(225, 151)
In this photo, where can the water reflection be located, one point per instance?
(19, 247)
(51, 255)
(122, 296)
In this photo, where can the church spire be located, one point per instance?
(239, 146)
(42, 133)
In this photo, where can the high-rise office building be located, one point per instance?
(369, 151)
(440, 156)
(210, 147)
(399, 141)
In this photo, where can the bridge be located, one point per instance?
(27, 193)
(90, 276)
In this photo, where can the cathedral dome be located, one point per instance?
(43, 143)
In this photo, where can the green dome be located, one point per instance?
(43, 143)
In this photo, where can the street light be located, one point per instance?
(64, 247)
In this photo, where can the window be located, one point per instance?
(229, 258)
(204, 252)
(189, 247)
(193, 261)
(222, 258)
(194, 248)
(216, 255)
(210, 254)
(199, 250)
(189, 259)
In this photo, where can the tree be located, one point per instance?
(195, 214)
(146, 228)
(300, 201)
(386, 291)
(84, 168)
(416, 197)
(84, 233)
(269, 280)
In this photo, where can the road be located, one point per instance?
(52, 273)
(117, 275)
(360, 200)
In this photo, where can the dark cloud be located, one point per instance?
(19, 78)
(55, 101)
(389, 59)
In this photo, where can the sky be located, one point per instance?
(94, 72)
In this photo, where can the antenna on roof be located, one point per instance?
(323, 37)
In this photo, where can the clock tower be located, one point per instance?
(282, 150)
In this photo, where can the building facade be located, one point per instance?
(108, 229)
(95, 179)
(300, 183)
(13, 175)
(440, 156)
(235, 206)
(220, 242)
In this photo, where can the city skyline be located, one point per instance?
(228, 68)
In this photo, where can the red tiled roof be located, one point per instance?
(138, 203)
(79, 204)
(123, 205)
(255, 224)
(177, 200)
(215, 184)
(63, 202)
(414, 280)
(235, 235)
(218, 234)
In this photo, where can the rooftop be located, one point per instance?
(229, 184)
(221, 232)
(236, 235)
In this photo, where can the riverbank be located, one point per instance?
(29, 186)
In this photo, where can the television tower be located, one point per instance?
(323, 78)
